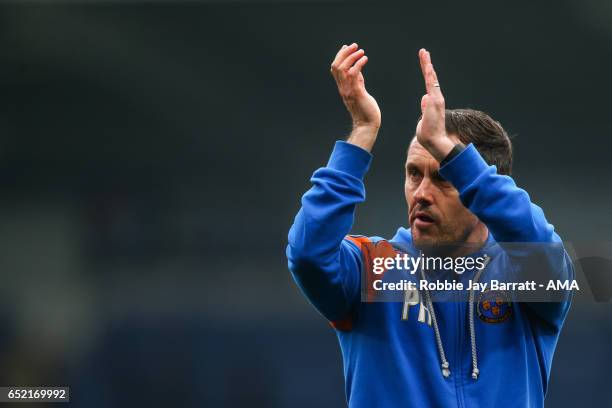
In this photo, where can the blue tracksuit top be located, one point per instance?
(390, 362)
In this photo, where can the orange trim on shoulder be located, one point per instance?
(359, 241)
(369, 251)
(345, 324)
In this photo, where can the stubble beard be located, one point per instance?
(444, 240)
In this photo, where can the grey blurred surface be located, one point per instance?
(152, 157)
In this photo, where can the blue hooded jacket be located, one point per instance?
(393, 358)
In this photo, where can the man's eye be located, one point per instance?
(414, 175)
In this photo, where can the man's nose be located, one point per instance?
(424, 193)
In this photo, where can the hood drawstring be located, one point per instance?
(445, 366)
(444, 363)
(475, 370)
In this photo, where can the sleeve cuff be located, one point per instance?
(350, 159)
(464, 168)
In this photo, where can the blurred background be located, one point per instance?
(153, 154)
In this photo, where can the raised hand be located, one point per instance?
(347, 71)
(431, 130)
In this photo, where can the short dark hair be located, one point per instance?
(487, 135)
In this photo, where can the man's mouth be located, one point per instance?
(422, 220)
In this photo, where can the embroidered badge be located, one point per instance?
(494, 306)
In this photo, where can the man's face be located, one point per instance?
(435, 212)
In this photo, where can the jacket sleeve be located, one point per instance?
(511, 217)
(324, 264)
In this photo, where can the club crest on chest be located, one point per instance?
(494, 306)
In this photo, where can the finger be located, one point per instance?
(423, 60)
(422, 53)
(355, 69)
(431, 81)
(339, 51)
(342, 54)
(429, 74)
(350, 60)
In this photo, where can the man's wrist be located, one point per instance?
(440, 147)
(363, 136)
(458, 148)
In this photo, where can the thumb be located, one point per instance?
(424, 101)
